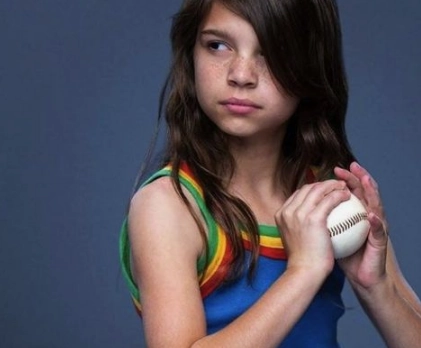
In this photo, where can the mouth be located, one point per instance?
(240, 106)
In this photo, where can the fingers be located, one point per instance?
(378, 230)
(309, 197)
(311, 204)
(371, 194)
(352, 181)
(303, 222)
(361, 172)
(363, 176)
(330, 201)
(354, 175)
(362, 185)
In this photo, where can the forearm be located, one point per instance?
(271, 318)
(397, 319)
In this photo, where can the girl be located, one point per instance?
(227, 245)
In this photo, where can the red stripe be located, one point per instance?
(273, 253)
(218, 277)
(185, 168)
(138, 311)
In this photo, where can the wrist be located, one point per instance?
(311, 265)
(308, 271)
(380, 291)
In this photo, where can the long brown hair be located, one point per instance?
(301, 40)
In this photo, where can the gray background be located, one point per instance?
(79, 84)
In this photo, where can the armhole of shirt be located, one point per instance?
(193, 188)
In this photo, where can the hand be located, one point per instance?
(367, 267)
(303, 222)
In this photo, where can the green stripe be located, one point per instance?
(124, 247)
(269, 231)
(210, 224)
(124, 243)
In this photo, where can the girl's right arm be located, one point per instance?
(166, 244)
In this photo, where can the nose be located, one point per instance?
(243, 73)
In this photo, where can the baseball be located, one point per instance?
(348, 227)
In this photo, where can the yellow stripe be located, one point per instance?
(187, 177)
(137, 303)
(218, 257)
(266, 241)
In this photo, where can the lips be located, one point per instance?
(240, 106)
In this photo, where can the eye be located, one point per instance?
(217, 46)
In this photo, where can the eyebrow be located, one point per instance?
(217, 32)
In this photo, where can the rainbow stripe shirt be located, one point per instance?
(225, 301)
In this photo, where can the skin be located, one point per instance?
(229, 64)
(164, 265)
(374, 274)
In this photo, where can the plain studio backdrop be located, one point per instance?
(79, 85)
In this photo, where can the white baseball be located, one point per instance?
(348, 227)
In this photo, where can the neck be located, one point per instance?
(257, 177)
(258, 167)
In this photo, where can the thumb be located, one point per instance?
(378, 232)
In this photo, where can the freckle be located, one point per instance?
(216, 66)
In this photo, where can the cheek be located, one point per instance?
(275, 92)
(205, 73)
(292, 105)
(287, 103)
(198, 73)
(200, 83)
(207, 81)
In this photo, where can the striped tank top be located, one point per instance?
(225, 301)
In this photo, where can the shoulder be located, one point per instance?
(159, 191)
(158, 214)
(160, 197)
(165, 244)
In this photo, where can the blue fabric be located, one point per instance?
(316, 328)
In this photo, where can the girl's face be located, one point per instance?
(233, 83)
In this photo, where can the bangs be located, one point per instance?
(277, 33)
(300, 39)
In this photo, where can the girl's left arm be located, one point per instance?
(374, 274)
